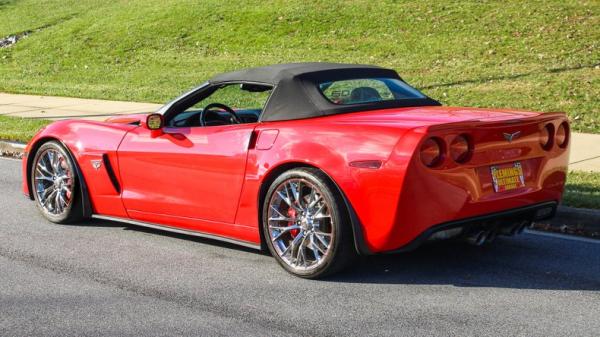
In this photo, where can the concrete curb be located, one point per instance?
(11, 149)
(580, 216)
(574, 221)
(571, 220)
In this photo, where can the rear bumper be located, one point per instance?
(496, 220)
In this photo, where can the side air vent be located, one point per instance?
(111, 173)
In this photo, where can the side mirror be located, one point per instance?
(154, 123)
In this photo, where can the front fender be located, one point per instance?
(85, 141)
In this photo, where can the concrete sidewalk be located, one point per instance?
(55, 108)
(585, 148)
(585, 152)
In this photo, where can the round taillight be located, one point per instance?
(562, 135)
(547, 136)
(432, 153)
(460, 149)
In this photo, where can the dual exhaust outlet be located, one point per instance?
(482, 236)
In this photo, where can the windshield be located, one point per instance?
(365, 90)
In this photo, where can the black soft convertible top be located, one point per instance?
(296, 94)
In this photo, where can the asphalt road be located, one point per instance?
(104, 278)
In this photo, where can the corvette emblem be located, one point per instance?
(96, 163)
(510, 136)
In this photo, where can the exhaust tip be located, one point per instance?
(477, 238)
(509, 230)
(522, 226)
(491, 237)
(515, 230)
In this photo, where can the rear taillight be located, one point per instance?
(432, 152)
(461, 149)
(562, 135)
(547, 136)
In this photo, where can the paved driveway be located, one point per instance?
(103, 278)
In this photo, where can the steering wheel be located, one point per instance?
(234, 117)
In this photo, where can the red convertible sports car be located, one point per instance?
(316, 162)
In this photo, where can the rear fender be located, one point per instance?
(366, 192)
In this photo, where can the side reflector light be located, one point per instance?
(367, 164)
(432, 152)
(461, 149)
(562, 135)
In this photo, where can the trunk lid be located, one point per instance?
(433, 115)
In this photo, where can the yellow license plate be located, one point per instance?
(506, 177)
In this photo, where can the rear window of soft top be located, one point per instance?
(367, 90)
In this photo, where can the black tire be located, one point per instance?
(341, 252)
(73, 212)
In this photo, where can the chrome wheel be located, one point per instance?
(300, 224)
(53, 181)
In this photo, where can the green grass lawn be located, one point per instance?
(538, 55)
(19, 129)
(582, 190)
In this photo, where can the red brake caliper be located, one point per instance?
(63, 164)
(292, 215)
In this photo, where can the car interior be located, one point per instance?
(224, 105)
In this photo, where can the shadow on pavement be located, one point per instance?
(129, 227)
(521, 262)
